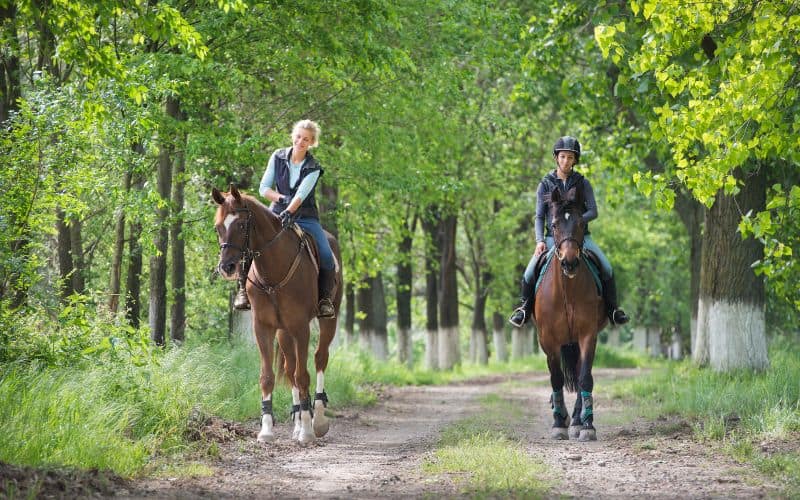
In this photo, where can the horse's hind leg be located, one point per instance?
(327, 329)
(265, 338)
(560, 414)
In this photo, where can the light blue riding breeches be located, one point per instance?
(314, 228)
(588, 244)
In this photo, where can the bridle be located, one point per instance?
(248, 255)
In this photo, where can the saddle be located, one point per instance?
(544, 260)
(313, 252)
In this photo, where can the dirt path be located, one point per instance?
(378, 452)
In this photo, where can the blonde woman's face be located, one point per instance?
(302, 139)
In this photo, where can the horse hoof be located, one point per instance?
(321, 426)
(305, 438)
(575, 431)
(587, 435)
(559, 433)
(265, 437)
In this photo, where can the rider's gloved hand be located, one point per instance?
(287, 218)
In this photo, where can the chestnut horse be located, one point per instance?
(282, 288)
(569, 313)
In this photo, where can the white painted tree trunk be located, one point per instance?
(517, 343)
(736, 337)
(242, 325)
(431, 349)
(500, 345)
(480, 349)
(404, 347)
(448, 348)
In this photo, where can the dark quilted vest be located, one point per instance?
(309, 206)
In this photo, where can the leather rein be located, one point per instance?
(248, 255)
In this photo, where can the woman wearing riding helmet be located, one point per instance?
(566, 152)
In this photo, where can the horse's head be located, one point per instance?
(233, 223)
(566, 212)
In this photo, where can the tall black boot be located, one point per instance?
(327, 279)
(523, 312)
(615, 313)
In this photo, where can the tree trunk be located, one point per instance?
(449, 351)
(65, 264)
(350, 314)
(499, 337)
(133, 283)
(372, 324)
(178, 313)
(79, 267)
(9, 62)
(479, 336)
(380, 337)
(365, 317)
(731, 306)
(691, 213)
(403, 297)
(158, 261)
(432, 256)
(119, 249)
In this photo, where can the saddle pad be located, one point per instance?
(548, 257)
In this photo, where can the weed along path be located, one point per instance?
(394, 449)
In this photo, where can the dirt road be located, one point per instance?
(378, 452)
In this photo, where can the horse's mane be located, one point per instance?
(252, 203)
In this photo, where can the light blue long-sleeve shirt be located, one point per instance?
(268, 179)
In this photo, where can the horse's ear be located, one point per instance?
(571, 194)
(217, 196)
(555, 196)
(235, 192)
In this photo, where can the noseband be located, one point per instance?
(561, 242)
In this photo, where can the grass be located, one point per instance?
(740, 410)
(482, 453)
(125, 415)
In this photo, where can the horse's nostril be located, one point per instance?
(227, 268)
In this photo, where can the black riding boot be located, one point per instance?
(240, 302)
(615, 313)
(327, 278)
(523, 312)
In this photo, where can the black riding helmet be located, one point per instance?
(568, 143)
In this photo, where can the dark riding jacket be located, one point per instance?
(550, 183)
(282, 183)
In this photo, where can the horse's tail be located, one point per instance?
(570, 354)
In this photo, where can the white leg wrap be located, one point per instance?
(266, 435)
(305, 435)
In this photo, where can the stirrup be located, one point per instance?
(326, 309)
(240, 302)
(514, 320)
(622, 319)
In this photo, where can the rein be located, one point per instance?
(248, 255)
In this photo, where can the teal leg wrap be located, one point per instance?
(587, 406)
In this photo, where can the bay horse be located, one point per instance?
(569, 313)
(283, 292)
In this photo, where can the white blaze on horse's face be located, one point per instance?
(566, 216)
(229, 220)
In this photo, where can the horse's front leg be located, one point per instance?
(582, 425)
(327, 329)
(560, 413)
(295, 348)
(265, 339)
